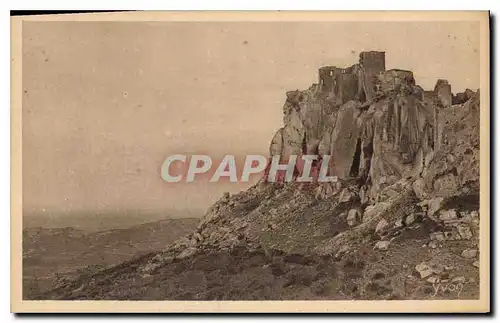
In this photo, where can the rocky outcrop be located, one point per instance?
(378, 126)
(455, 166)
(462, 97)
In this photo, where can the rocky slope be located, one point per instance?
(401, 222)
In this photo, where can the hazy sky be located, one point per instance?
(105, 102)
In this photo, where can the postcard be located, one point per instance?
(251, 162)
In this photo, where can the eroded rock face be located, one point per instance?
(462, 97)
(345, 141)
(455, 165)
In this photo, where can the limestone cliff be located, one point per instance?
(378, 126)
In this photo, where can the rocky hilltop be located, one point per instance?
(401, 222)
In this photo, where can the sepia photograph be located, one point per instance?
(251, 162)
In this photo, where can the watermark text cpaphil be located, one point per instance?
(303, 168)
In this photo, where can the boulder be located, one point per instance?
(382, 245)
(188, 252)
(424, 270)
(458, 279)
(434, 205)
(353, 217)
(465, 232)
(437, 236)
(346, 195)
(381, 226)
(469, 253)
(447, 215)
(411, 218)
(419, 189)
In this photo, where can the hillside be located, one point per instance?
(52, 256)
(401, 221)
